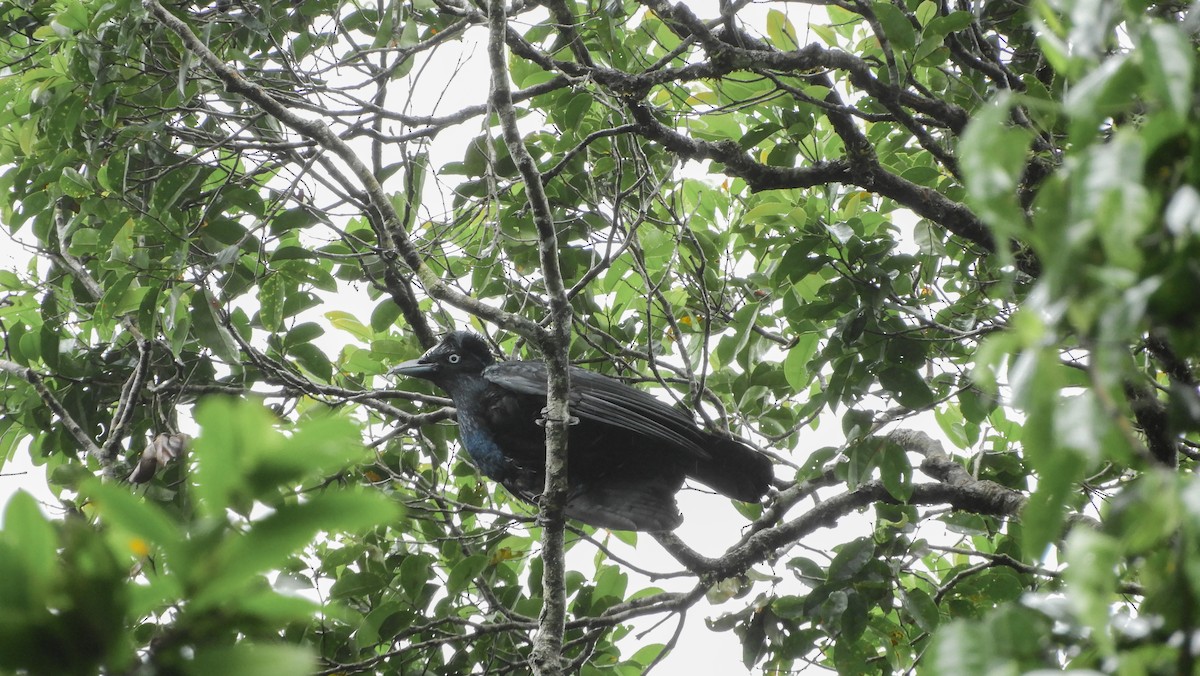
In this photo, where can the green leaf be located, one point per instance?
(929, 44)
(992, 154)
(850, 559)
(270, 302)
(253, 659)
(464, 573)
(1146, 514)
(303, 333)
(85, 241)
(730, 347)
(112, 298)
(795, 364)
(349, 323)
(352, 584)
(647, 654)
(269, 542)
(319, 446)
(780, 30)
(1045, 513)
(266, 605)
(950, 421)
(72, 15)
(862, 457)
(921, 608)
(75, 184)
(766, 212)
(384, 316)
(962, 647)
(313, 360)
(611, 583)
(230, 432)
(1091, 560)
(827, 34)
(1170, 63)
(896, 26)
(142, 519)
(854, 618)
(296, 218)
(926, 11)
(210, 331)
(895, 470)
(574, 110)
(907, 386)
(9, 280)
(951, 23)
(1101, 93)
(291, 253)
(415, 572)
(33, 541)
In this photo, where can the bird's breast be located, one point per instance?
(483, 449)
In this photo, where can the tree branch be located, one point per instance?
(85, 442)
(546, 658)
(956, 488)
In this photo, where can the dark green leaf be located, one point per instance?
(907, 386)
(921, 608)
(895, 24)
(465, 572)
(895, 470)
(211, 332)
(850, 559)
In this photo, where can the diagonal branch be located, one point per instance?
(33, 378)
(954, 487)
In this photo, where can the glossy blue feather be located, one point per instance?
(482, 448)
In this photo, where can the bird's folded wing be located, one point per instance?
(606, 400)
(635, 503)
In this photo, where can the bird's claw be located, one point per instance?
(541, 422)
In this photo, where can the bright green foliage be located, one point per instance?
(193, 573)
(821, 225)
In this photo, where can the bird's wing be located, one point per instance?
(605, 400)
(635, 503)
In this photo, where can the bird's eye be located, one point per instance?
(453, 359)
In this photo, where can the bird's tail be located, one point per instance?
(734, 469)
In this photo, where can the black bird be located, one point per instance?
(627, 452)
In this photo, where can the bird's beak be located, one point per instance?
(415, 368)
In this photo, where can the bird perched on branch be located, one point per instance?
(627, 452)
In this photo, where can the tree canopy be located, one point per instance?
(826, 228)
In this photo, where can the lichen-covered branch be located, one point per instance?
(546, 658)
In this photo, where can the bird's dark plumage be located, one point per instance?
(627, 452)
